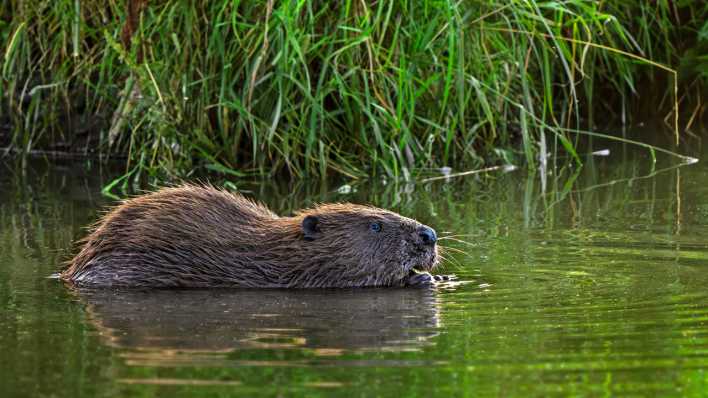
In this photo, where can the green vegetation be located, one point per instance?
(350, 87)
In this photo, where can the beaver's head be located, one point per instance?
(366, 245)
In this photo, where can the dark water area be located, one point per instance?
(594, 282)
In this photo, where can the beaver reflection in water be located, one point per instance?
(200, 236)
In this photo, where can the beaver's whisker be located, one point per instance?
(450, 257)
(456, 240)
(459, 235)
(442, 256)
(455, 250)
(452, 260)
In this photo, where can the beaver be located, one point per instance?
(202, 236)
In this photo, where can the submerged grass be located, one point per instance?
(314, 87)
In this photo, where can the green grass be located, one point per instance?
(353, 87)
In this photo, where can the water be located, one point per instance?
(595, 288)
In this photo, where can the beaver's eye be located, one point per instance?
(376, 226)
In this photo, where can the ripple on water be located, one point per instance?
(605, 296)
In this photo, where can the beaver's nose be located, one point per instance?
(427, 235)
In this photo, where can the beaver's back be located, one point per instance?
(165, 238)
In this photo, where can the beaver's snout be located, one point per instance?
(425, 250)
(427, 235)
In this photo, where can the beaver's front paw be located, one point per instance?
(416, 278)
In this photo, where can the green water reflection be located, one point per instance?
(584, 290)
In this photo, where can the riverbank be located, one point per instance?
(355, 88)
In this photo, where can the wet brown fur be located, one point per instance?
(200, 236)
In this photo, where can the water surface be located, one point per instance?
(592, 283)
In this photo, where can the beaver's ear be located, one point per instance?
(309, 227)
